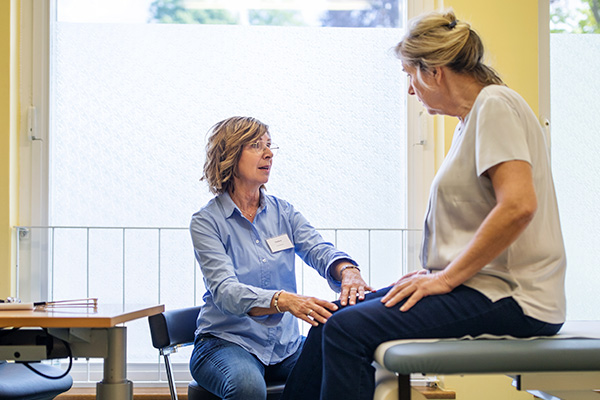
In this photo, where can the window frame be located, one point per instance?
(34, 177)
(36, 134)
(544, 111)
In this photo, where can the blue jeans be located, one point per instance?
(230, 372)
(336, 362)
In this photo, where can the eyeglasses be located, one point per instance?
(260, 146)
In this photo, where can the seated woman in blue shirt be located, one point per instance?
(245, 242)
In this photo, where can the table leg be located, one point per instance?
(114, 385)
(404, 387)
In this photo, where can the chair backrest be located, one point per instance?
(173, 327)
(170, 330)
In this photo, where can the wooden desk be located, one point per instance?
(92, 332)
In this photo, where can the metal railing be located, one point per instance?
(156, 265)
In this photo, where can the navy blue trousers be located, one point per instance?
(336, 361)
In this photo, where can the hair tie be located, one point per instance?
(452, 24)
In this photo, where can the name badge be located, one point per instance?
(279, 243)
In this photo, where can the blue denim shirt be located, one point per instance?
(241, 272)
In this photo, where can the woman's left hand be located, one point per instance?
(353, 287)
(415, 286)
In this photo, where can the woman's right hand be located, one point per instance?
(310, 309)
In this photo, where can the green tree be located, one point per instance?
(580, 20)
(175, 12)
(383, 13)
(591, 22)
(275, 17)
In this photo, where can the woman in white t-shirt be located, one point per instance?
(492, 254)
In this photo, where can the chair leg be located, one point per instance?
(403, 387)
(170, 376)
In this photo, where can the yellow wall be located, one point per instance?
(509, 30)
(8, 141)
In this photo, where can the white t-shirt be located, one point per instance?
(500, 127)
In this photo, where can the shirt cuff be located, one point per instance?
(264, 297)
(334, 284)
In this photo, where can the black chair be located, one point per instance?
(175, 328)
(17, 382)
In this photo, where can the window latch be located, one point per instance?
(32, 123)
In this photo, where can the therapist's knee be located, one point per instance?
(245, 386)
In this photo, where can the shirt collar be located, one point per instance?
(229, 206)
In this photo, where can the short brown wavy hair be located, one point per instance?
(224, 147)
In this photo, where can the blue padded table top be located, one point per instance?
(575, 348)
(493, 356)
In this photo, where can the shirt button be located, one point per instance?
(264, 260)
(257, 241)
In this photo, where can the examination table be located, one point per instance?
(565, 366)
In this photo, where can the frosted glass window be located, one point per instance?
(132, 105)
(575, 83)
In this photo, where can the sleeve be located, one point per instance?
(229, 294)
(313, 249)
(501, 135)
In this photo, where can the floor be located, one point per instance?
(155, 393)
(139, 393)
